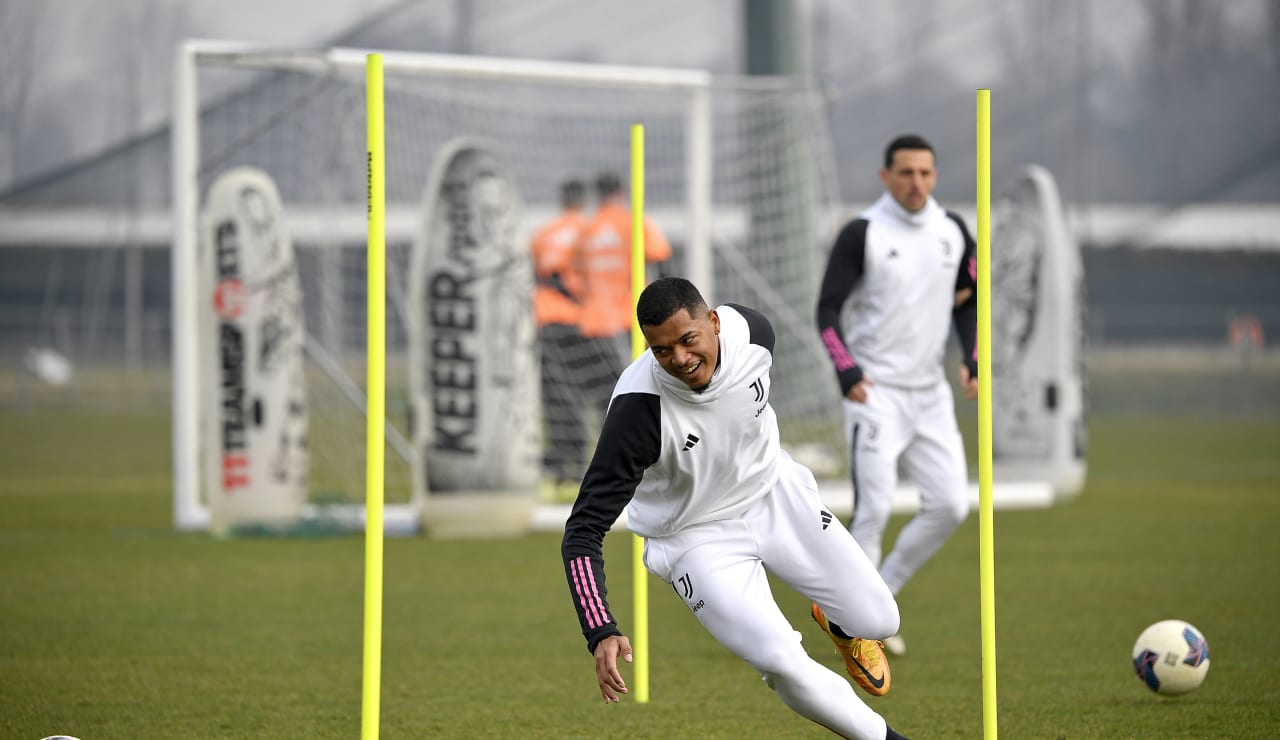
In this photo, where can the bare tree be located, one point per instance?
(22, 25)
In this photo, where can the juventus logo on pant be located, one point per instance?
(684, 586)
(826, 519)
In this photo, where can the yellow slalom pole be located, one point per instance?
(639, 576)
(986, 522)
(376, 363)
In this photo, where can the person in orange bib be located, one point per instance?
(557, 311)
(604, 255)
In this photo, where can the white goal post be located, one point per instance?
(739, 174)
(261, 90)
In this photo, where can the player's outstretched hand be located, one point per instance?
(858, 393)
(607, 675)
(969, 383)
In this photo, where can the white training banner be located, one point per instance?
(472, 340)
(1037, 333)
(253, 396)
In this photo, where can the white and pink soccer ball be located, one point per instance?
(1171, 657)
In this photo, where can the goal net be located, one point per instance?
(733, 177)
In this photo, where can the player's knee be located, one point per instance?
(883, 617)
(869, 517)
(955, 511)
(871, 612)
(948, 514)
(775, 662)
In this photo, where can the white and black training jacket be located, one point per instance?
(898, 272)
(673, 457)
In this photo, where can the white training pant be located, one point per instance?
(918, 426)
(719, 569)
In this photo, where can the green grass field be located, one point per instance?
(114, 626)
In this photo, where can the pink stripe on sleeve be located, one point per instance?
(588, 596)
(839, 353)
(591, 581)
(588, 607)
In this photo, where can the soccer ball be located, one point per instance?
(1171, 657)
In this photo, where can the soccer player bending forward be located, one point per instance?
(690, 449)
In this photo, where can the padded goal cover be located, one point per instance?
(253, 392)
(473, 354)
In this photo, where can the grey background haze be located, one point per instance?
(1160, 101)
(1160, 112)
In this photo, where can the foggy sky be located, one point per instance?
(1149, 99)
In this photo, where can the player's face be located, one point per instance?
(687, 347)
(911, 178)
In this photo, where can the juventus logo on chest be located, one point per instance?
(758, 390)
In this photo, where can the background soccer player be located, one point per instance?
(904, 271)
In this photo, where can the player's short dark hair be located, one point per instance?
(906, 141)
(573, 193)
(664, 297)
(607, 185)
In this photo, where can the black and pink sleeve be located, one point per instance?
(844, 270)
(629, 443)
